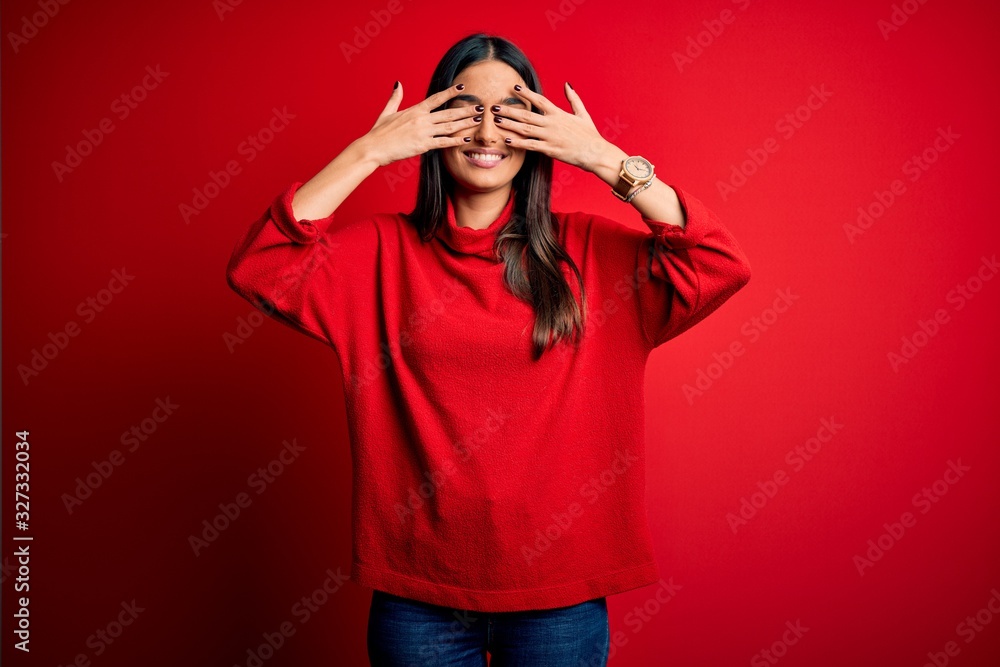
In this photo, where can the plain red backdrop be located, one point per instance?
(855, 297)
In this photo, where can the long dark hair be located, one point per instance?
(528, 244)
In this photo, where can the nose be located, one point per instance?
(488, 133)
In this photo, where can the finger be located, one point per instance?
(523, 129)
(393, 104)
(519, 114)
(457, 125)
(442, 96)
(575, 102)
(450, 142)
(456, 113)
(536, 99)
(526, 144)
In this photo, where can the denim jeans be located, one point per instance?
(409, 633)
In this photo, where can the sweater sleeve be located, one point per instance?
(689, 271)
(294, 270)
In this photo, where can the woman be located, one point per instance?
(493, 356)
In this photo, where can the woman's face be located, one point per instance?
(487, 83)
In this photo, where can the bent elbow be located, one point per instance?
(237, 280)
(233, 274)
(742, 274)
(231, 279)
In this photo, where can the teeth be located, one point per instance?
(485, 157)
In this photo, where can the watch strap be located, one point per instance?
(623, 185)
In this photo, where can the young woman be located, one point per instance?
(493, 355)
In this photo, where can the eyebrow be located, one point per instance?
(465, 97)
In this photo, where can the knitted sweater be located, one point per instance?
(482, 478)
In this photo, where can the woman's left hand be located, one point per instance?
(570, 137)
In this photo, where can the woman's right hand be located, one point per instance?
(398, 135)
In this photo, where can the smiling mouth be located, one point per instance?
(484, 160)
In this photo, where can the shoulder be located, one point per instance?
(390, 231)
(583, 227)
(375, 225)
(598, 243)
(383, 229)
(355, 238)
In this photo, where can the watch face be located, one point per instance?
(638, 167)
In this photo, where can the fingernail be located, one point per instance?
(507, 140)
(460, 86)
(570, 85)
(395, 85)
(517, 87)
(497, 119)
(480, 108)
(466, 139)
(477, 118)
(495, 108)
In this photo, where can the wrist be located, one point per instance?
(363, 152)
(609, 163)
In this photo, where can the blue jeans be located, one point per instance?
(409, 633)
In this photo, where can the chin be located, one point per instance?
(482, 183)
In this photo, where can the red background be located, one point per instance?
(826, 356)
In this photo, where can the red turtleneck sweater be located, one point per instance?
(484, 480)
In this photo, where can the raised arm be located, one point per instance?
(693, 262)
(288, 263)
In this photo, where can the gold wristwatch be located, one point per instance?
(636, 170)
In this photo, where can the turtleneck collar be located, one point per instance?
(468, 240)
